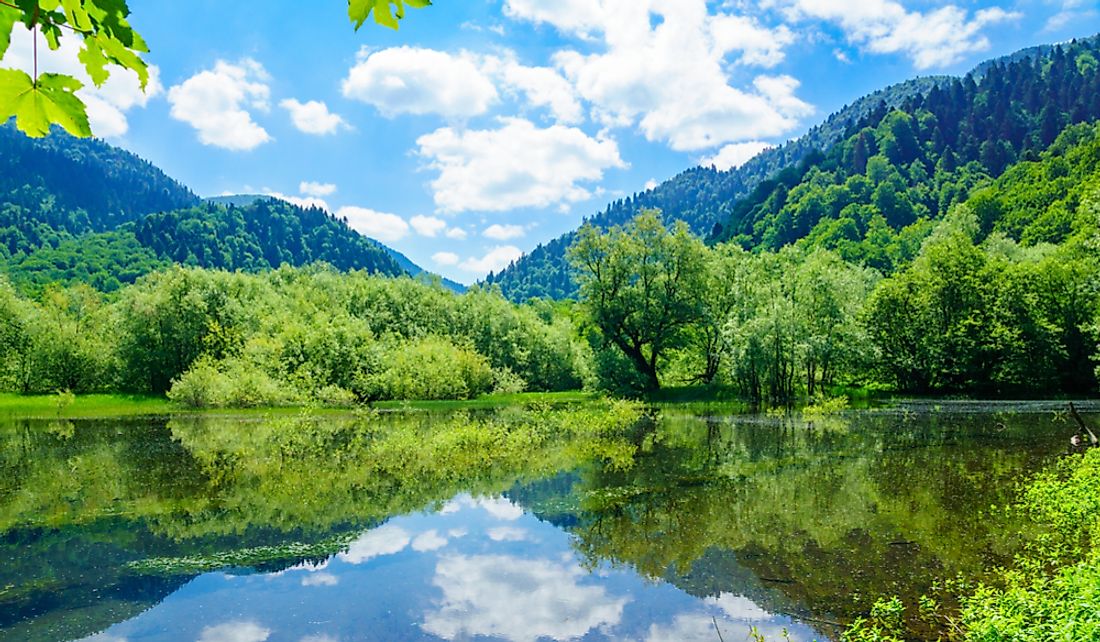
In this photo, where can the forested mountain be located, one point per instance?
(74, 185)
(82, 211)
(910, 151)
(261, 236)
(902, 168)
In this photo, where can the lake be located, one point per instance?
(522, 524)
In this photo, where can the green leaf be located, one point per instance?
(8, 18)
(384, 14)
(77, 15)
(94, 61)
(37, 106)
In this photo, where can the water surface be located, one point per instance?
(314, 529)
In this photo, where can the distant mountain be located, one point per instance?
(240, 200)
(1004, 99)
(80, 185)
(414, 270)
(418, 272)
(82, 211)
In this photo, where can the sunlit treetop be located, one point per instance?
(39, 101)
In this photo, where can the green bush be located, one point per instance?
(433, 368)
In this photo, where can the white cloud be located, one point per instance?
(496, 260)
(543, 87)
(313, 117)
(107, 105)
(301, 201)
(516, 165)
(312, 188)
(500, 508)
(670, 76)
(380, 226)
(507, 534)
(446, 258)
(320, 579)
(429, 541)
(580, 17)
(1069, 12)
(651, 184)
(429, 226)
(935, 38)
(411, 80)
(738, 607)
(215, 102)
(516, 599)
(456, 233)
(504, 232)
(758, 45)
(235, 632)
(734, 155)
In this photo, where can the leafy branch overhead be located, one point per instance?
(37, 102)
(386, 12)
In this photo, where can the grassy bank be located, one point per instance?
(83, 406)
(113, 405)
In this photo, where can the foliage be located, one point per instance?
(641, 287)
(285, 337)
(49, 99)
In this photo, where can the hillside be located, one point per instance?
(910, 166)
(1005, 110)
(261, 236)
(76, 186)
(83, 211)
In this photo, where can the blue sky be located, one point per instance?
(484, 127)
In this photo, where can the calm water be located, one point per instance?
(323, 529)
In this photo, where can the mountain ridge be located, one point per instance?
(705, 197)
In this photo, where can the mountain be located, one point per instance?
(1006, 109)
(418, 272)
(902, 168)
(406, 264)
(82, 211)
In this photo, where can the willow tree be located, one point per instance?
(641, 286)
(109, 44)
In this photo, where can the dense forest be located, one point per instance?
(289, 336)
(946, 241)
(874, 175)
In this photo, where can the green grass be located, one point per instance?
(93, 406)
(83, 406)
(488, 402)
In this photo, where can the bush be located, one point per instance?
(433, 368)
(234, 383)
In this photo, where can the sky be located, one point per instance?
(485, 127)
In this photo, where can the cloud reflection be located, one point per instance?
(518, 600)
(385, 540)
(429, 541)
(235, 632)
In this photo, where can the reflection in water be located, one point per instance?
(521, 525)
(517, 599)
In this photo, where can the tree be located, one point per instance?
(641, 286)
(40, 101)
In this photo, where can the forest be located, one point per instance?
(997, 297)
(878, 172)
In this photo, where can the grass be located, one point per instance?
(83, 406)
(489, 402)
(115, 405)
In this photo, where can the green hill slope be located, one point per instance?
(932, 140)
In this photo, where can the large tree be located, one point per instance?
(642, 287)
